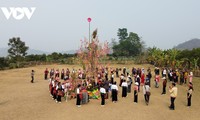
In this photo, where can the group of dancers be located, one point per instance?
(105, 81)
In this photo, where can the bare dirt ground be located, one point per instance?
(22, 100)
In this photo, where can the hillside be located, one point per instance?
(190, 44)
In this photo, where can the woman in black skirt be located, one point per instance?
(114, 89)
(78, 99)
(103, 93)
(59, 92)
(124, 88)
(189, 94)
(136, 92)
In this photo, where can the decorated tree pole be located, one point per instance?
(90, 54)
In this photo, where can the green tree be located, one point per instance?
(173, 55)
(122, 34)
(129, 44)
(155, 56)
(17, 50)
(3, 63)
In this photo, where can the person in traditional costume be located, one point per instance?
(57, 74)
(129, 82)
(189, 94)
(59, 92)
(52, 73)
(54, 89)
(51, 86)
(103, 93)
(62, 74)
(114, 90)
(67, 73)
(121, 79)
(136, 92)
(146, 92)
(124, 88)
(78, 96)
(46, 72)
(138, 81)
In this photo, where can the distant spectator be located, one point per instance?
(32, 76)
(46, 72)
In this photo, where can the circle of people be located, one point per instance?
(105, 86)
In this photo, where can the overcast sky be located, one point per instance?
(59, 25)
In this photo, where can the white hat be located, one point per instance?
(136, 83)
(129, 76)
(164, 78)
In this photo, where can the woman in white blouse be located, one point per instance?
(124, 88)
(114, 90)
(103, 93)
(78, 99)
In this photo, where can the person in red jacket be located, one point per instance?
(142, 78)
